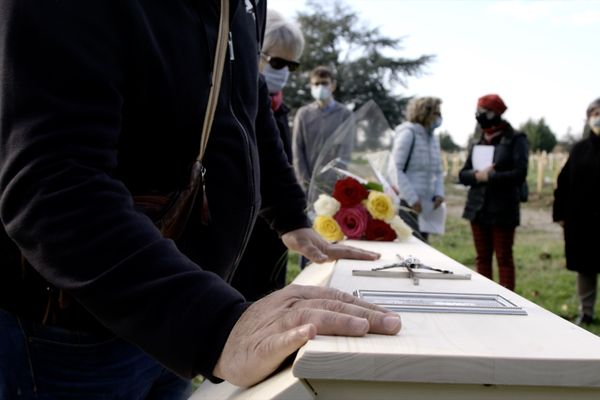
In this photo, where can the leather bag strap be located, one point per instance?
(217, 74)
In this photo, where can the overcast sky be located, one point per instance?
(541, 57)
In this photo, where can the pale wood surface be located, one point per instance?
(539, 349)
(538, 356)
(281, 386)
(350, 390)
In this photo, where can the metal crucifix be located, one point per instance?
(412, 265)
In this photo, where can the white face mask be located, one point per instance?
(594, 123)
(437, 123)
(276, 78)
(320, 92)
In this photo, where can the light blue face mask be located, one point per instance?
(437, 123)
(594, 124)
(276, 78)
(320, 92)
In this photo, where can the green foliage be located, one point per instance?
(446, 142)
(293, 267)
(540, 137)
(336, 38)
(374, 186)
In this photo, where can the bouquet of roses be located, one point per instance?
(357, 211)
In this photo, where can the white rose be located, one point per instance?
(326, 205)
(402, 230)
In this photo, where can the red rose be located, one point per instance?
(349, 192)
(353, 221)
(379, 230)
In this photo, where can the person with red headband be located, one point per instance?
(496, 190)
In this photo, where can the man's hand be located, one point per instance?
(312, 246)
(276, 326)
(437, 201)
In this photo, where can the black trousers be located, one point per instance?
(263, 266)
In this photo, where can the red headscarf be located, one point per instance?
(492, 102)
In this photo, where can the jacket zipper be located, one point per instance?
(245, 135)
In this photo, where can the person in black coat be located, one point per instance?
(576, 210)
(263, 267)
(493, 201)
(104, 100)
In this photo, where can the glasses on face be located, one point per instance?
(279, 63)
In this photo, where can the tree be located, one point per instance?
(336, 38)
(446, 142)
(540, 137)
(569, 139)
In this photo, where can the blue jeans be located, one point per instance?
(46, 363)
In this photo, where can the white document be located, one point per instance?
(482, 157)
(432, 220)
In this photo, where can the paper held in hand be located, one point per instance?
(482, 157)
(432, 220)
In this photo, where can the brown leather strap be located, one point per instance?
(217, 74)
(170, 212)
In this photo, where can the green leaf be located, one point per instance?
(374, 186)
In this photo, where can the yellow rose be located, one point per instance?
(380, 206)
(328, 228)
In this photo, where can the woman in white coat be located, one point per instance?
(416, 160)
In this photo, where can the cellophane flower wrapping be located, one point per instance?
(351, 195)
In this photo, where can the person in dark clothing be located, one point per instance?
(104, 100)
(576, 210)
(493, 201)
(263, 267)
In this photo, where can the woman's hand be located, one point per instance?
(312, 246)
(417, 208)
(484, 175)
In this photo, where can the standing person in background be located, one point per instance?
(262, 269)
(315, 123)
(493, 201)
(576, 210)
(281, 50)
(416, 159)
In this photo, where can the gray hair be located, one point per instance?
(281, 33)
(421, 110)
(594, 104)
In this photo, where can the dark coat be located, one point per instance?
(102, 99)
(498, 200)
(282, 117)
(262, 269)
(576, 202)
